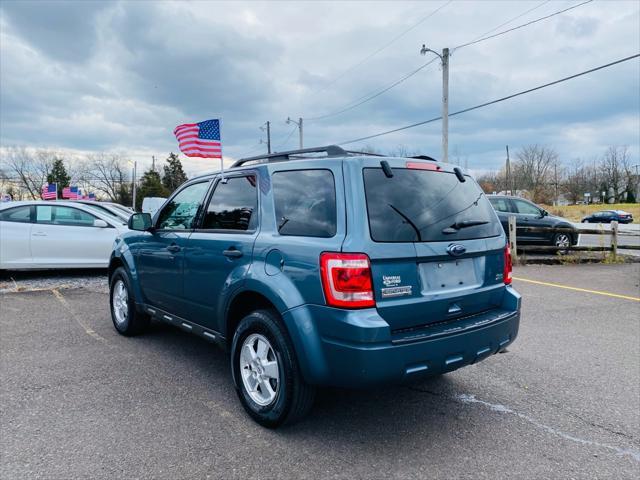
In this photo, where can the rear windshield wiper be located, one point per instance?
(408, 220)
(463, 224)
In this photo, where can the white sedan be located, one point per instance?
(55, 234)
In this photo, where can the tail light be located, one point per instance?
(346, 280)
(507, 274)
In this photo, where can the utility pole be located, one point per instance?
(135, 168)
(445, 105)
(267, 126)
(508, 174)
(444, 59)
(299, 124)
(153, 163)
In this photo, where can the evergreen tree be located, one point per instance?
(174, 175)
(59, 175)
(150, 186)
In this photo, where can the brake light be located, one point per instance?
(346, 280)
(423, 166)
(507, 274)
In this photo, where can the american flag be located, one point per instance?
(200, 139)
(49, 191)
(72, 193)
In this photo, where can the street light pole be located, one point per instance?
(299, 124)
(444, 59)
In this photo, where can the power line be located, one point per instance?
(369, 97)
(521, 26)
(284, 142)
(376, 93)
(511, 20)
(494, 101)
(393, 40)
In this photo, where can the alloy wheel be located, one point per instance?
(259, 369)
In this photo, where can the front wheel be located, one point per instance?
(266, 372)
(126, 319)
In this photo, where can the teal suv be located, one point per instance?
(322, 267)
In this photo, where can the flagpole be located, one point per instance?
(221, 155)
(56, 184)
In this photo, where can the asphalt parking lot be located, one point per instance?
(79, 401)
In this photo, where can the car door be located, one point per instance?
(67, 237)
(15, 230)
(220, 250)
(502, 206)
(529, 215)
(159, 254)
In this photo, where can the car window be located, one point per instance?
(58, 215)
(182, 209)
(500, 204)
(526, 208)
(17, 214)
(305, 203)
(233, 205)
(416, 205)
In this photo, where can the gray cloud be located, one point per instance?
(121, 76)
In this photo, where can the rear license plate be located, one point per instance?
(452, 275)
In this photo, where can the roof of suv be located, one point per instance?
(331, 151)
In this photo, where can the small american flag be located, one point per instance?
(49, 191)
(72, 193)
(200, 139)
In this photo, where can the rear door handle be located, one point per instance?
(174, 248)
(232, 253)
(39, 234)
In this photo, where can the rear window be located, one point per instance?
(424, 205)
(305, 202)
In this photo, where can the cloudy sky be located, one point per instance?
(119, 76)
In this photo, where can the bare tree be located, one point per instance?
(616, 172)
(108, 174)
(536, 170)
(30, 168)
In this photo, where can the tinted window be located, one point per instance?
(56, 215)
(107, 212)
(17, 214)
(526, 208)
(305, 202)
(500, 204)
(423, 205)
(233, 206)
(181, 211)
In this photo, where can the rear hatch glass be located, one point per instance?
(426, 206)
(422, 214)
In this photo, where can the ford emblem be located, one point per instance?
(455, 249)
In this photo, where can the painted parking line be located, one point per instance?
(585, 290)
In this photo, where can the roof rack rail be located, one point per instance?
(330, 150)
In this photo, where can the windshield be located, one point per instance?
(108, 213)
(426, 206)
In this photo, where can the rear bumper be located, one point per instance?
(356, 349)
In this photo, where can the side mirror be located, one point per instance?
(100, 223)
(543, 213)
(140, 222)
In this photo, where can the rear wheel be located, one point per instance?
(126, 319)
(266, 372)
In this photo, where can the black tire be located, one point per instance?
(293, 396)
(135, 322)
(562, 240)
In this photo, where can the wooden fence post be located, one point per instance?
(614, 240)
(513, 245)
